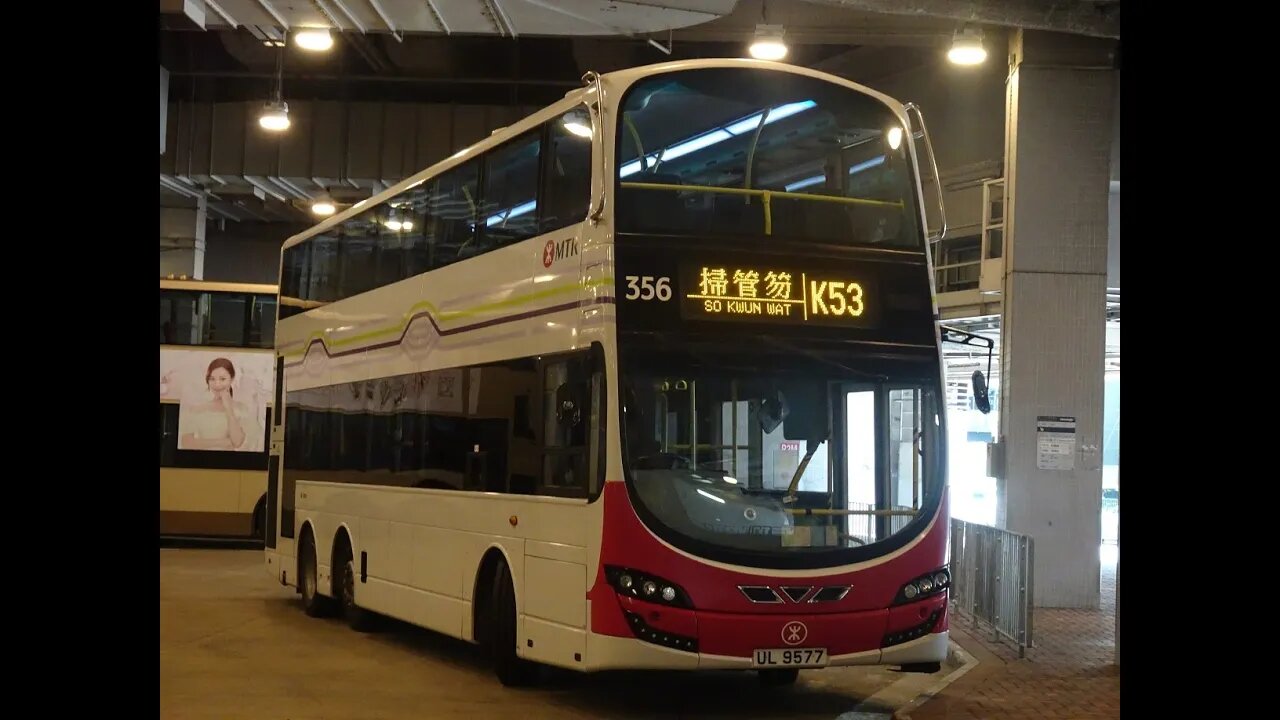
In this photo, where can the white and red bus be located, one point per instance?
(649, 379)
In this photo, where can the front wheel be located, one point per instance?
(511, 669)
(313, 603)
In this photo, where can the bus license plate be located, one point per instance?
(790, 657)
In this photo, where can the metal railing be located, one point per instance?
(991, 580)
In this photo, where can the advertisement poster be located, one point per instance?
(222, 396)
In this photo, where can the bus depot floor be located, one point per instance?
(235, 645)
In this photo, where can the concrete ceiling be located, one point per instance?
(508, 18)
(512, 54)
(272, 19)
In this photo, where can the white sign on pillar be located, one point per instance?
(1055, 442)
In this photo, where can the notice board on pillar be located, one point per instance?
(1055, 442)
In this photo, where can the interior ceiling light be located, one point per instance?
(274, 116)
(393, 222)
(323, 207)
(895, 137)
(577, 123)
(768, 43)
(966, 48)
(313, 39)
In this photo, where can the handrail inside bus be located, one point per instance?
(755, 140)
(837, 511)
(635, 136)
(765, 195)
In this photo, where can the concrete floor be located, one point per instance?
(235, 645)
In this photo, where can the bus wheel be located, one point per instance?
(511, 670)
(358, 618)
(315, 604)
(779, 678)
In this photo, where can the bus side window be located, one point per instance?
(510, 209)
(322, 270)
(357, 252)
(567, 174)
(449, 224)
(293, 283)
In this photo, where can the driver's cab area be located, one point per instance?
(771, 461)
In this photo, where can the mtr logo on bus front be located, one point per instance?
(734, 291)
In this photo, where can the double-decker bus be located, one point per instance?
(649, 379)
(216, 378)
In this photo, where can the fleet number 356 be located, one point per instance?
(647, 287)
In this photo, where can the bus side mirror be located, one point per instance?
(772, 412)
(980, 397)
(569, 401)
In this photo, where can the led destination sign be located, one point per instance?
(770, 293)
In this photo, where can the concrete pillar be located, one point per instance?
(182, 240)
(1057, 167)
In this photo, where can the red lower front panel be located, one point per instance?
(737, 635)
(725, 623)
(840, 634)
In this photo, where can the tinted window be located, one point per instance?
(525, 426)
(225, 319)
(451, 213)
(511, 192)
(699, 149)
(567, 178)
(538, 182)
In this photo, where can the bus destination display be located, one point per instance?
(747, 291)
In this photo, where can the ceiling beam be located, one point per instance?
(1078, 17)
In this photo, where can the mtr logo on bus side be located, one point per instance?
(554, 251)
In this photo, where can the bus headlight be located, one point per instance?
(647, 587)
(928, 584)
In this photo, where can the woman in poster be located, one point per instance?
(221, 422)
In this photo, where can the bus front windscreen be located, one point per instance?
(742, 152)
(780, 464)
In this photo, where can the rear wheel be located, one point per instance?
(315, 604)
(358, 618)
(511, 669)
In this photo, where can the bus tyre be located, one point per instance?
(512, 670)
(358, 618)
(315, 604)
(778, 678)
